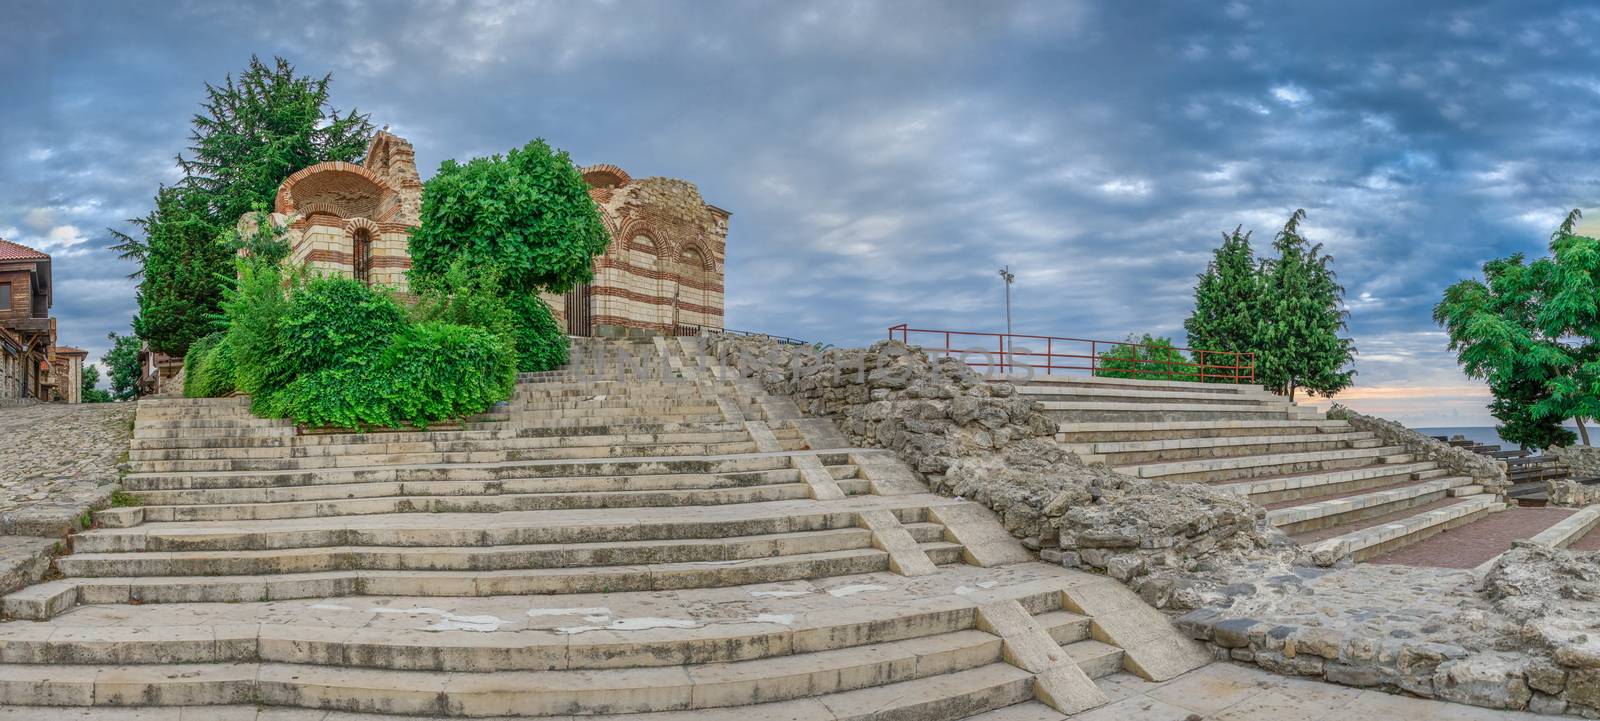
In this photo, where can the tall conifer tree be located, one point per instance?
(1225, 300)
(253, 132)
(1302, 315)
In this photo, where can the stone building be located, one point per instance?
(26, 293)
(661, 274)
(65, 379)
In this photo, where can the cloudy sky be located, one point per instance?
(882, 159)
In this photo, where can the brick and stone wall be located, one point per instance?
(664, 267)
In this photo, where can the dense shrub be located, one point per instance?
(541, 343)
(333, 352)
(209, 367)
(254, 309)
(333, 321)
(439, 370)
(1149, 358)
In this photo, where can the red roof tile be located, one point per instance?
(14, 251)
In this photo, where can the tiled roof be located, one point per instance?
(69, 350)
(13, 251)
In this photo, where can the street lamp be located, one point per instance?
(1009, 278)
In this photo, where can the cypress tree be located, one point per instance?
(1301, 317)
(1225, 300)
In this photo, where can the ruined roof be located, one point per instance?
(16, 251)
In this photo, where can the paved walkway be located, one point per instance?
(1477, 542)
(1230, 692)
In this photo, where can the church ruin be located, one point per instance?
(660, 275)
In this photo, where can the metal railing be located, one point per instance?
(684, 330)
(1002, 353)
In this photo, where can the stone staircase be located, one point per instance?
(652, 538)
(1339, 491)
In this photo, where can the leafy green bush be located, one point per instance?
(541, 343)
(1146, 357)
(209, 367)
(440, 370)
(527, 214)
(333, 352)
(254, 309)
(332, 321)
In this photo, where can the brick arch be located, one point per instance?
(342, 189)
(605, 175)
(354, 224)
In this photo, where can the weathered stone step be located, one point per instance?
(1359, 506)
(497, 558)
(1039, 379)
(1155, 451)
(1236, 468)
(439, 442)
(1097, 659)
(353, 460)
(1083, 394)
(1117, 431)
(1372, 538)
(507, 528)
(467, 584)
(534, 693)
(1267, 491)
(1073, 412)
(528, 424)
(512, 486)
(496, 503)
(462, 472)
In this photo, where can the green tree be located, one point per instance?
(1527, 330)
(183, 272)
(122, 364)
(1146, 357)
(1226, 297)
(1301, 316)
(87, 391)
(528, 215)
(251, 134)
(256, 130)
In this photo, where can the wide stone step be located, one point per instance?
(1374, 537)
(1117, 431)
(498, 558)
(1131, 412)
(942, 697)
(1236, 468)
(1142, 384)
(353, 460)
(466, 584)
(1362, 505)
(541, 693)
(508, 528)
(1266, 491)
(514, 486)
(442, 442)
(457, 472)
(1082, 394)
(1155, 451)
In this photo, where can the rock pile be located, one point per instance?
(1174, 543)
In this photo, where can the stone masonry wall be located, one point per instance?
(1176, 544)
(1486, 471)
(1583, 460)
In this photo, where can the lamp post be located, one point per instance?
(1009, 278)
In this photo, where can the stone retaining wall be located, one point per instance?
(1485, 471)
(1583, 460)
(1174, 543)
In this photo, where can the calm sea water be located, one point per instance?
(1488, 436)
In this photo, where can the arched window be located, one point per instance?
(361, 256)
(692, 287)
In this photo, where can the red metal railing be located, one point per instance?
(1004, 352)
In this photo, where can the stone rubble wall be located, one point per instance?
(1571, 494)
(1583, 460)
(1486, 471)
(1173, 543)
